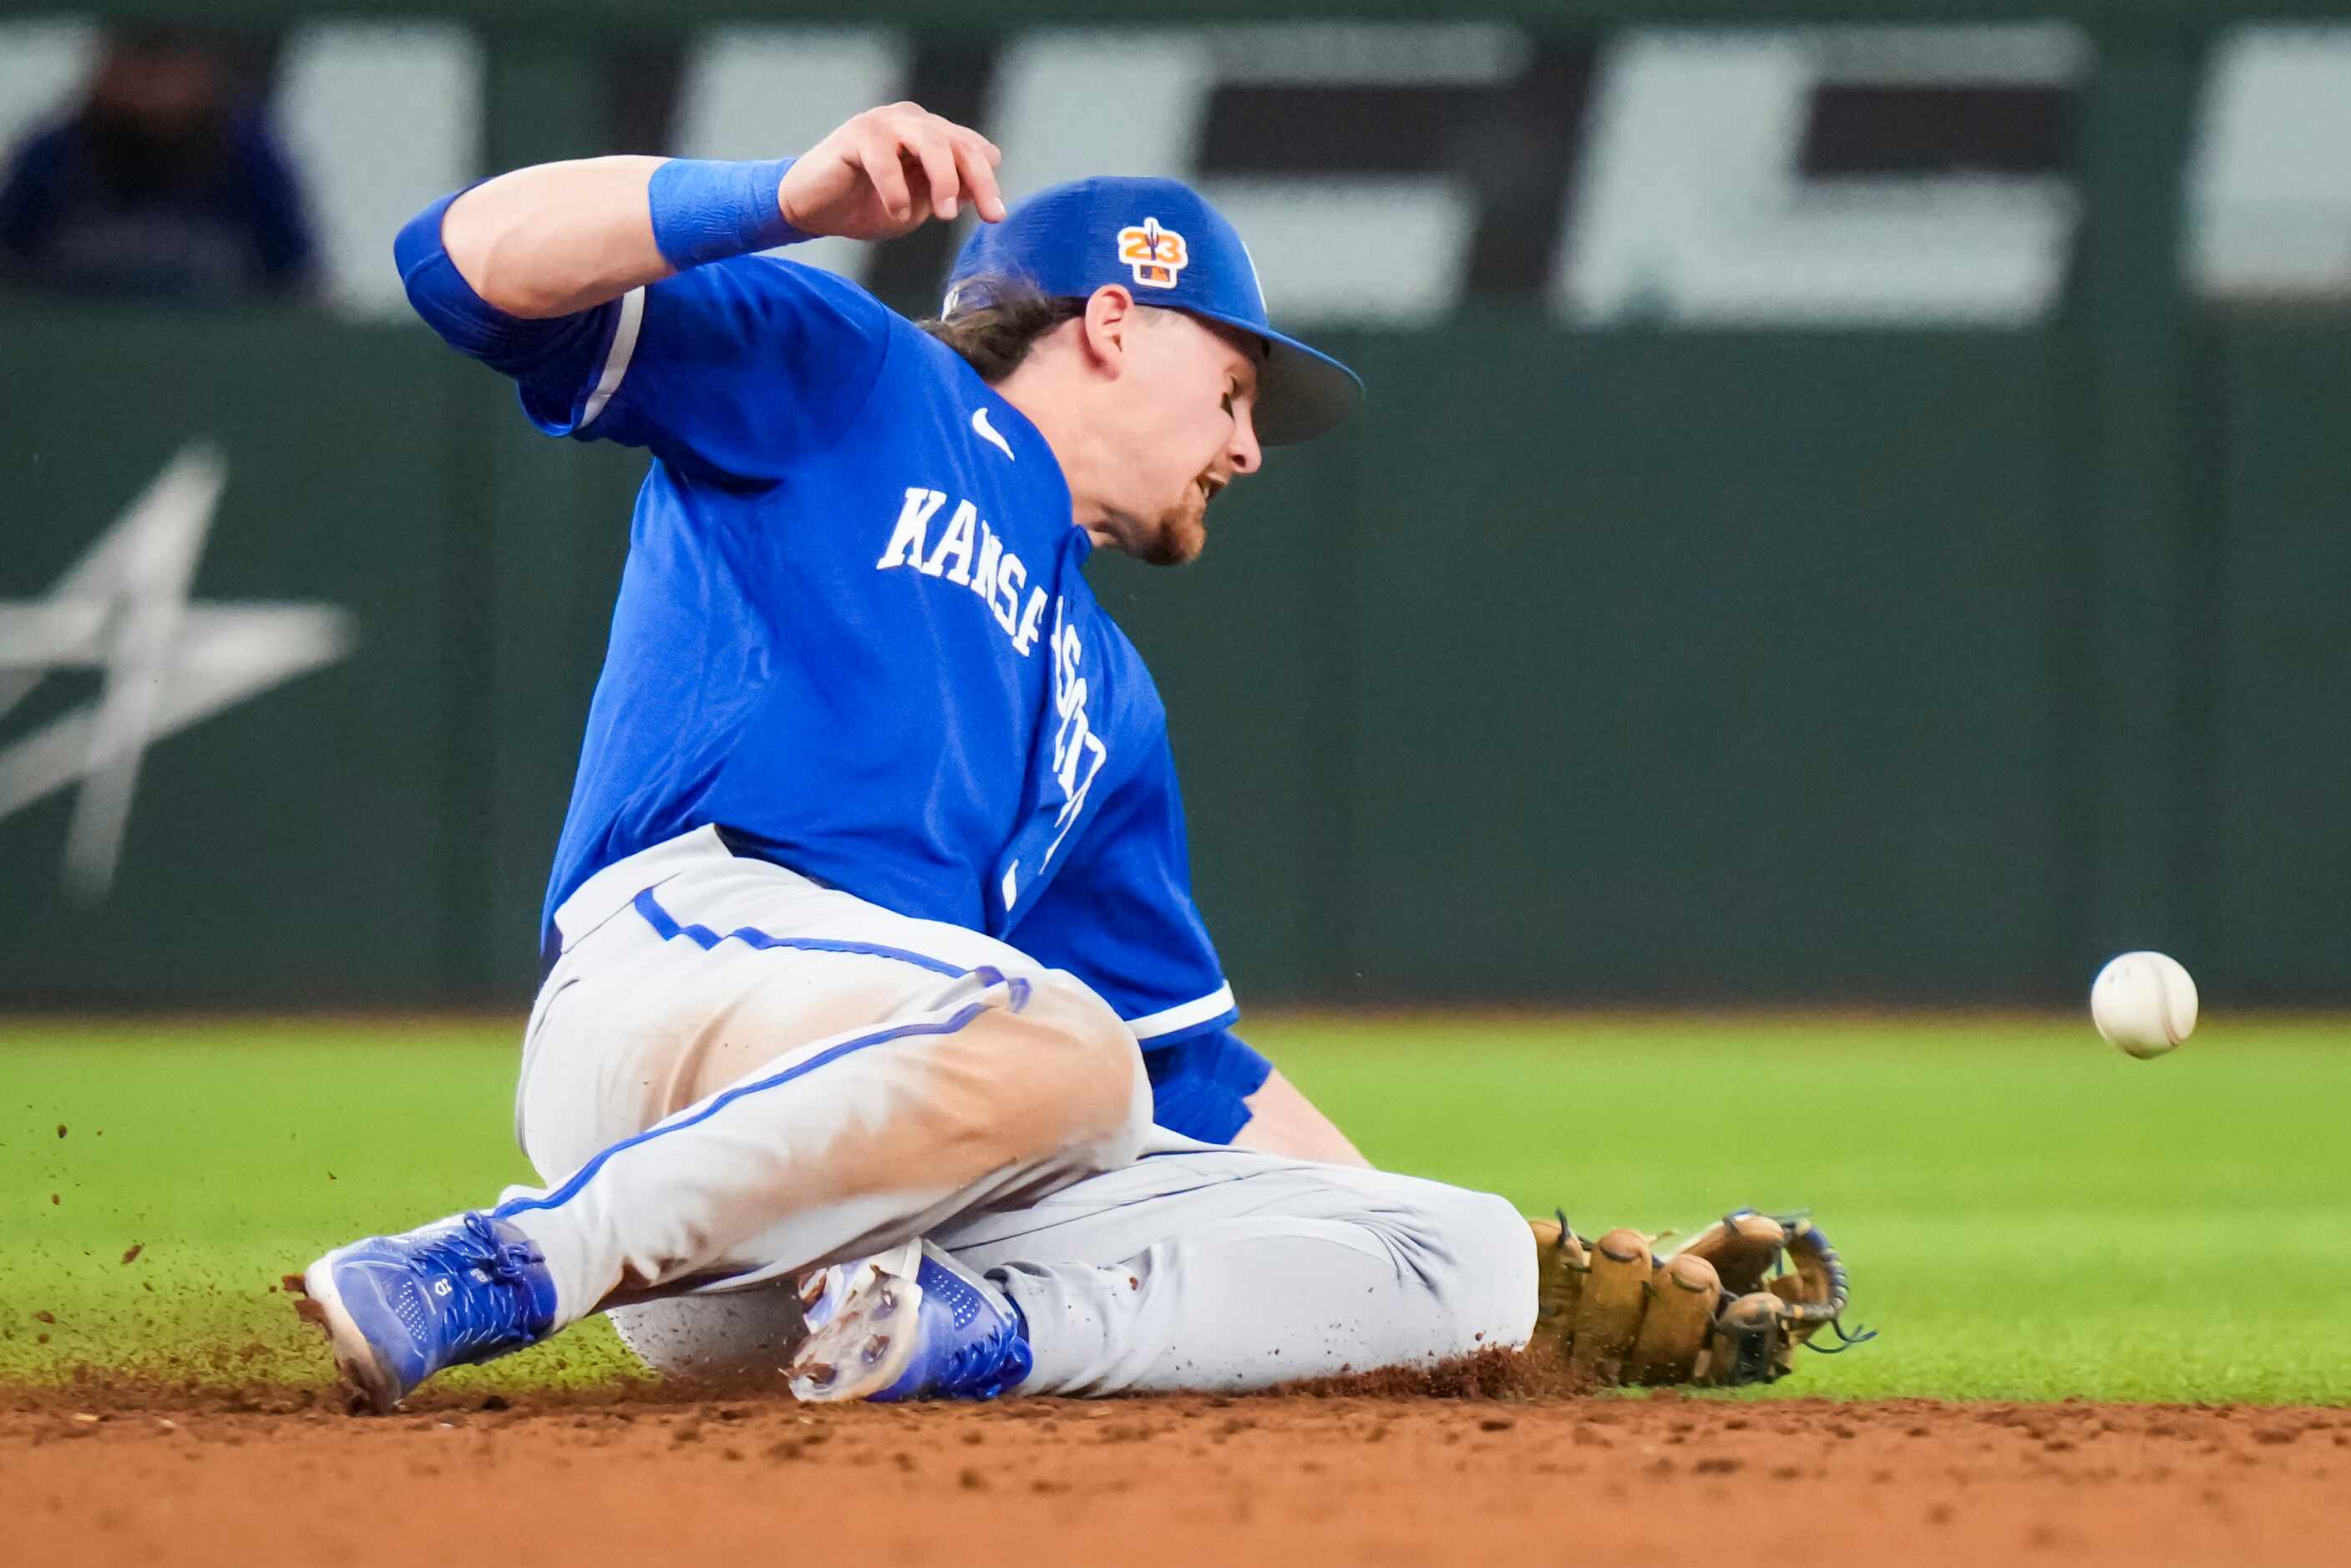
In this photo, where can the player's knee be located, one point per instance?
(1474, 1260)
(1105, 1090)
(1498, 1265)
(1066, 1065)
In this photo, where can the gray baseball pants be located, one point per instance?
(733, 1074)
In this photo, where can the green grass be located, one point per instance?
(2026, 1213)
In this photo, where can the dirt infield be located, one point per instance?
(1346, 1478)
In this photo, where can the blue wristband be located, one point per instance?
(706, 209)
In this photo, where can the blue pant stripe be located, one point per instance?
(667, 927)
(580, 1177)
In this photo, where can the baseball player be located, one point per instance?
(880, 1036)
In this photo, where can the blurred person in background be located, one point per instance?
(164, 183)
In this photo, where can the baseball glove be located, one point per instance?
(1726, 1307)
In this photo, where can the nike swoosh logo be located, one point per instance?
(987, 433)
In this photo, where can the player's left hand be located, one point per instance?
(1709, 1311)
(883, 173)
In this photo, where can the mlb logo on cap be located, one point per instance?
(1161, 240)
(1156, 253)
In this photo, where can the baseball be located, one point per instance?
(2143, 1003)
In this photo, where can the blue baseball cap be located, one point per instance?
(1161, 241)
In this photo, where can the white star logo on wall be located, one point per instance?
(123, 609)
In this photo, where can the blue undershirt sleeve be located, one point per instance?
(1198, 1086)
(736, 370)
(547, 359)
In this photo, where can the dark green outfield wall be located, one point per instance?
(1617, 666)
(1648, 667)
(2272, 766)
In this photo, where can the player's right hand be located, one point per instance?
(882, 173)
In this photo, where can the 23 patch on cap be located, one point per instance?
(1156, 254)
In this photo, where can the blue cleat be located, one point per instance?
(911, 1323)
(398, 1309)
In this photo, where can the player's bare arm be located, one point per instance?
(558, 238)
(1283, 1121)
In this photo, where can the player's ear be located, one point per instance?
(1111, 315)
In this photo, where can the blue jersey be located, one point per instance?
(855, 633)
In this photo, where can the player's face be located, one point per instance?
(1186, 431)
